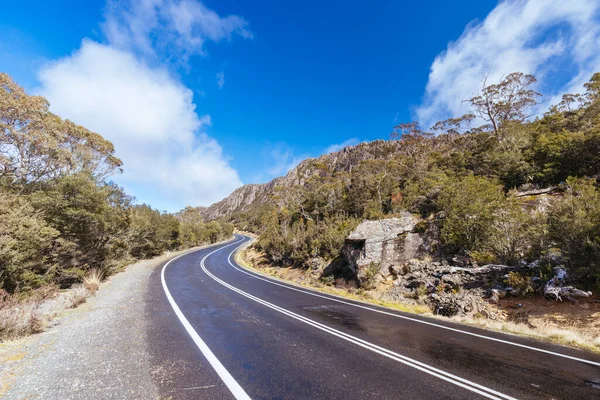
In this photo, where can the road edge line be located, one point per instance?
(234, 387)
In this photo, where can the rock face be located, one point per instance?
(375, 246)
(239, 200)
(253, 195)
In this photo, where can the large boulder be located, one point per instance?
(374, 246)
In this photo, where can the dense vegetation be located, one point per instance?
(466, 179)
(59, 217)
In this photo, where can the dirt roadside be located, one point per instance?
(95, 351)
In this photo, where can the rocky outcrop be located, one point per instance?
(374, 246)
(253, 195)
(240, 200)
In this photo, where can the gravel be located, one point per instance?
(96, 351)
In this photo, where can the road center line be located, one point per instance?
(338, 299)
(464, 383)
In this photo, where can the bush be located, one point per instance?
(516, 233)
(574, 226)
(521, 284)
(368, 280)
(469, 205)
(26, 245)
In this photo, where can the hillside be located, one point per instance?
(253, 195)
(460, 180)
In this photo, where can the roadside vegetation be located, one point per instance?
(517, 190)
(63, 223)
(467, 178)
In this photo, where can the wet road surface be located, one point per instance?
(219, 331)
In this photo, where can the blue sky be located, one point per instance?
(200, 97)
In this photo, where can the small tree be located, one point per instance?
(514, 232)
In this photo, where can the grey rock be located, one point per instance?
(384, 243)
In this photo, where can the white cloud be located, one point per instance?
(176, 28)
(337, 147)
(151, 119)
(220, 79)
(124, 90)
(538, 37)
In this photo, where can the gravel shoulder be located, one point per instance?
(95, 351)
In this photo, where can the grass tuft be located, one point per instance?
(79, 295)
(92, 280)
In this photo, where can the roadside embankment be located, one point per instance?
(566, 323)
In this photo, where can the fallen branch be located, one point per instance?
(552, 290)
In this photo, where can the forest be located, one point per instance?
(60, 216)
(469, 173)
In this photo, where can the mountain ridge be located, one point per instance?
(242, 198)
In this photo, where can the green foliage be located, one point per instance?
(520, 283)
(574, 226)
(516, 233)
(58, 218)
(469, 205)
(37, 145)
(26, 244)
(421, 195)
(368, 280)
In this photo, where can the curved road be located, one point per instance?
(219, 331)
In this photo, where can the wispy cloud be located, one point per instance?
(220, 79)
(124, 91)
(175, 28)
(281, 159)
(337, 147)
(555, 40)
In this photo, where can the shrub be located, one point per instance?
(515, 233)
(521, 284)
(469, 205)
(370, 275)
(574, 225)
(26, 243)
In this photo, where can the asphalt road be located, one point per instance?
(218, 331)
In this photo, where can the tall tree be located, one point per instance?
(512, 99)
(37, 145)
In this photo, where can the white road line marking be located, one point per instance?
(225, 376)
(456, 380)
(337, 299)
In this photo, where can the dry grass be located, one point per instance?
(23, 315)
(78, 295)
(19, 317)
(92, 280)
(542, 330)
